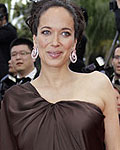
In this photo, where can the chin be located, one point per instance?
(118, 74)
(20, 69)
(55, 63)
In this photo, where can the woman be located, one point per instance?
(60, 110)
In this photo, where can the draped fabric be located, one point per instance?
(29, 122)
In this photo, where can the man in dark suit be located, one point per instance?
(115, 78)
(22, 62)
(7, 34)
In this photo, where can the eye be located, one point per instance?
(66, 34)
(116, 57)
(46, 32)
(23, 53)
(13, 54)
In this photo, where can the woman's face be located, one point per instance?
(55, 37)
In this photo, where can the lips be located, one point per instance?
(118, 68)
(19, 63)
(54, 54)
(118, 110)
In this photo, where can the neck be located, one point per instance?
(24, 73)
(54, 76)
(117, 76)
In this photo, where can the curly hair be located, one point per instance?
(41, 6)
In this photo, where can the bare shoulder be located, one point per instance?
(104, 87)
(99, 75)
(102, 82)
(95, 81)
(100, 79)
(100, 86)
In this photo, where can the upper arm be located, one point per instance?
(112, 127)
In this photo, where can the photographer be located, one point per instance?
(115, 78)
(7, 35)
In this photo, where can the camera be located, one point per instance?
(97, 65)
(113, 5)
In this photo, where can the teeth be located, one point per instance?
(54, 54)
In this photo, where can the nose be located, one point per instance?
(18, 56)
(55, 40)
(119, 60)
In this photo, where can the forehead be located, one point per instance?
(21, 47)
(57, 15)
(117, 51)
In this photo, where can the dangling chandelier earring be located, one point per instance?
(73, 56)
(34, 53)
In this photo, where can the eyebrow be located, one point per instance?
(20, 51)
(51, 28)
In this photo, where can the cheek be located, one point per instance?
(68, 45)
(114, 63)
(13, 61)
(42, 42)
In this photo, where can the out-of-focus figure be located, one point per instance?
(115, 78)
(7, 34)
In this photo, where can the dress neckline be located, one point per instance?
(63, 101)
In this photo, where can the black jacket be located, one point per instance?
(117, 17)
(7, 34)
(8, 80)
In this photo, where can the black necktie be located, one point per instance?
(117, 85)
(117, 82)
(23, 80)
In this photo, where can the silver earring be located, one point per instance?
(73, 56)
(34, 53)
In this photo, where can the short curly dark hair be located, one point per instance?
(41, 6)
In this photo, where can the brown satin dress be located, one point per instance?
(29, 122)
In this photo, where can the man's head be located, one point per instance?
(3, 14)
(22, 61)
(116, 61)
(11, 68)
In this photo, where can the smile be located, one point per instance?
(54, 54)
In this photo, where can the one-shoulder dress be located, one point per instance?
(29, 122)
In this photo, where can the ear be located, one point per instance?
(33, 60)
(112, 62)
(74, 45)
(35, 41)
